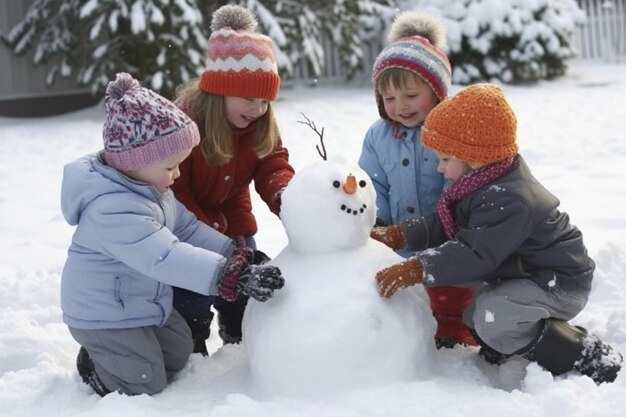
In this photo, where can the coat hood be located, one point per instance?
(87, 178)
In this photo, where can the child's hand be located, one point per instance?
(391, 236)
(239, 276)
(260, 281)
(259, 258)
(235, 265)
(401, 275)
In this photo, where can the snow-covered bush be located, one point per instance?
(507, 40)
(305, 27)
(159, 41)
(163, 42)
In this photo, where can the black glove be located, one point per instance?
(259, 258)
(260, 281)
(245, 273)
(379, 223)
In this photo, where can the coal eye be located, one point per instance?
(362, 183)
(336, 184)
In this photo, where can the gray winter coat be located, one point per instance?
(509, 229)
(130, 245)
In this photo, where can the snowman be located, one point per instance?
(328, 331)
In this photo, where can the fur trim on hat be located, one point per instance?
(413, 23)
(234, 17)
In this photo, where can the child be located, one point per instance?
(134, 240)
(232, 105)
(410, 77)
(498, 230)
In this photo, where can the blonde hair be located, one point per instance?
(398, 78)
(216, 132)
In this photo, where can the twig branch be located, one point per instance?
(311, 124)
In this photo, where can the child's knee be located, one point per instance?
(492, 318)
(133, 375)
(504, 323)
(178, 358)
(156, 385)
(177, 343)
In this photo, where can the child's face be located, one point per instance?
(410, 104)
(450, 167)
(161, 174)
(240, 111)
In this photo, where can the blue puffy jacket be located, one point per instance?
(131, 244)
(403, 171)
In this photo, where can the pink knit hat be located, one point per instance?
(240, 62)
(141, 127)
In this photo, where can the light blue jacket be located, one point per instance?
(404, 173)
(130, 245)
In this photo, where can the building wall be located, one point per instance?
(23, 88)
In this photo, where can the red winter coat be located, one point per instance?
(220, 195)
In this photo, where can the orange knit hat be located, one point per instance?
(240, 61)
(476, 125)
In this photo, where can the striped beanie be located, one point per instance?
(416, 43)
(141, 127)
(240, 62)
(476, 125)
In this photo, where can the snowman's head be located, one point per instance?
(328, 206)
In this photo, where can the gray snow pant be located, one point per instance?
(508, 315)
(138, 360)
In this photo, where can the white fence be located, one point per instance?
(603, 37)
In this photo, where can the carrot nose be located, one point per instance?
(350, 186)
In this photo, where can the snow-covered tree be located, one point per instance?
(163, 42)
(49, 27)
(508, 40)
(159, 41)
(300, 29)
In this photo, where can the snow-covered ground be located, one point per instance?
(571, 132)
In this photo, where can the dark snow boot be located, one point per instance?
(599, 361)
(561, 347)
(492, 356)
(200, 332)
(229, 319)
(88, 374)
(489, 354)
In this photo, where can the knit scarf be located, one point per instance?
(464, 186)
(395, 131)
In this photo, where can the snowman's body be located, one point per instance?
(328, 330)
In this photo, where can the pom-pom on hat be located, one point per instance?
(416, 43)
(141, 127)
(240, 62)
(476, 125)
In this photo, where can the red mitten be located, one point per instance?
(235, 265)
